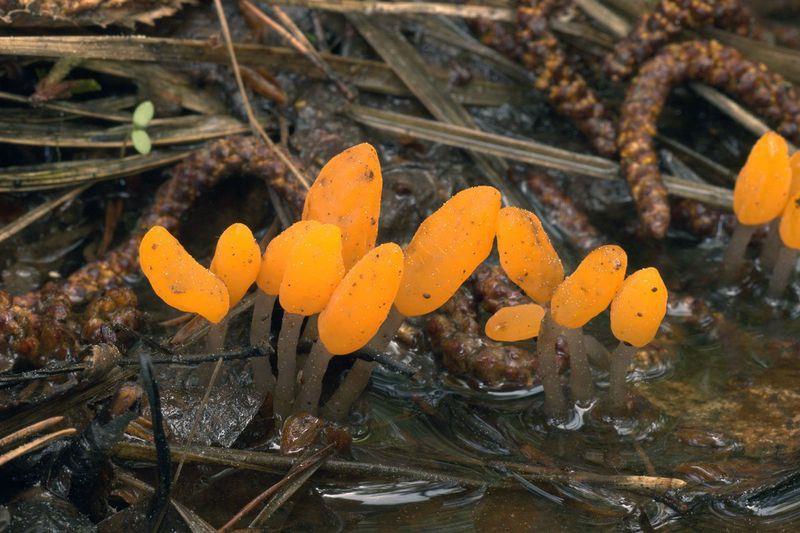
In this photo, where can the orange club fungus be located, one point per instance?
(447, 247)
(759, 196)
(179, 280)
(578, 299)
(353, 316)
(270, 275)
(236, 262)
(636, 314)
(789, 231)
(529, 259)
(347, 192)
(313, 269)
(515, 323)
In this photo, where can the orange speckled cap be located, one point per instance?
(273, 263)
(589, 290)
(790, 220)
(639, 307)
(347, 193)
(236, 261)
(446, 248)
(179, 280)
(515, 323)
(361, 302)
(526, 254)
(313, 270)
(762, 188)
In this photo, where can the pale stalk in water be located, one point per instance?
(215, 338)
(772, 246)
(287, 363)
(313, 373)
(598, 354)
(554, 404)
(310, 332)
(259, 336)
(620, 361)
(358, 377)
(735, 252)
(262, 318)
(580, 372)
(782, 274)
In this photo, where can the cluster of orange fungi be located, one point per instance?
(327, 267)
(767, 191)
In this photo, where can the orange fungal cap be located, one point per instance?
(790, 222)
(639, 307)
(515, 323)
(313, 270)
(347, 192)
(762, 188)
(446, 248)
(273, 262)
(361, 302)
(589, 290)
(526, 254)
(179, 280)
(236, 261)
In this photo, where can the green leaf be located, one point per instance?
(141, 141)
(143, 114)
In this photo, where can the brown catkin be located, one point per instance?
(667, 19)
(768, 94)
(534, 45)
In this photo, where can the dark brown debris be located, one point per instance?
(765, 92)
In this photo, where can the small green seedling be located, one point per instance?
(142, 116)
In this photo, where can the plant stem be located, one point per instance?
(580, 371)
(555, 405)
(215, 338)
(772, 246)
(313, 373)
(782, 274)
(287, 363)
(620, 361)
(338, 407)
(734, 253)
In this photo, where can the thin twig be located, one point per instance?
(293, 473)
(251, 117)
(36, 444)
(30, 430)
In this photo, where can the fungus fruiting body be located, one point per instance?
(447, 248)
(789, 231)
(356, 309)
(270, 275)
(760, 195)
(236, 262)
(347, 193)
(526, 254)
(636, 314)
(530, 261)
(582, 296)
(313, 269)
(515, 323)
(179, 280)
